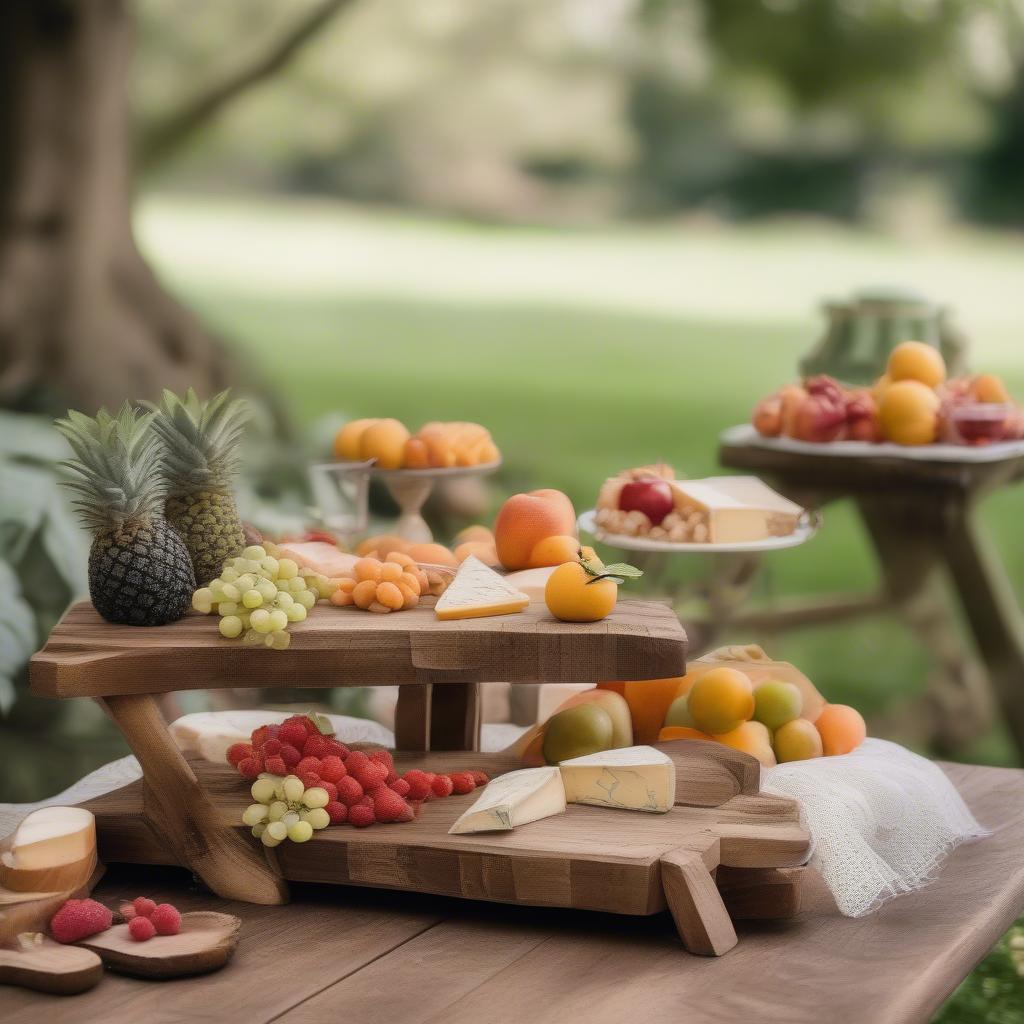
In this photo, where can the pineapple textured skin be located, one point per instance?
(211, 529)
(141, 575)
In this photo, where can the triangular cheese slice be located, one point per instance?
(476, 591)
(631, 778)
(514, 799)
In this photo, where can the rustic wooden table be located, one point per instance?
(366, 956)
(922, 520)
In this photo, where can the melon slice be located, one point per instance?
(53, 849)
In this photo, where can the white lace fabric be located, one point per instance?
(882, 820)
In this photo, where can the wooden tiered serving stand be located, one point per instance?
(187, 812)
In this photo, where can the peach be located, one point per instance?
(483, 549)
(721, 700)
(384, 441)
(526, 519)
(841, 728)
(767, 416)
(987, 387)
(347, 441)
(909, 413)
(572, 597)
(792, 397)
(916, 360)
(431, 554)
(751, 738)
(554, 551)
(797, 740)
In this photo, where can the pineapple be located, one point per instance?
(200, 441)
(140, 573)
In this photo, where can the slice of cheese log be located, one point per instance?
(49, 850)
(321, 557)
(478, 591)
(514, 799)
(630, 778)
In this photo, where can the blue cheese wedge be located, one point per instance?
(477, 591)
(514, 799)
(630, 778)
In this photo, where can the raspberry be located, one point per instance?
(238, 752)
(306, 765)
(462, 782)
(479, 777)
(442, 786)
(78, 919)
(349, 791)
(389, 806)
(315, 746)
(166, 919)
(271, 748)
(401, 787)
(304, 722)
(259, 736)
(127, 911)
(293, 733)
(276, 765)
(419, 783)
(384, 757)
(332, 769)
(370, 775)
(336, 748)
(337, 812)
(141, 929)
(290, 755)
(361, 815)
(331, 789)
(144, 906)
(249, 767)
(310, 780)
(273, 732)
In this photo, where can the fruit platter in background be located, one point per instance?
(435, 445)
(649, 505)
(736, 696)
(914, 403)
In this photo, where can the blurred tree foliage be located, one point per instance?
(579, 109)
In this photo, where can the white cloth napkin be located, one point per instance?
(882, 820)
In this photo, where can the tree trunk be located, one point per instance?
(83, 319)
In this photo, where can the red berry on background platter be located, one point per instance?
(653, 497)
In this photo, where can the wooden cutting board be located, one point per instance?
(589, 857)
(51, 967)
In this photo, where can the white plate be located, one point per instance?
(587, 523)
(744, 433)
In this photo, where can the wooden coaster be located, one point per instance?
(205, 943)
(51, 967)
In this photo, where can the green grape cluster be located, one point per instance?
(257, 595)
(285, 809)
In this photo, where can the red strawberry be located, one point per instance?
(332, 769)
(337, 812)
(259, 736)
(308, 764)
(462, 782)
(361, 815)
(442, 786)
(370, 775)
(276, 765)
(419, 783)
(332, 789)
(349, 791)
(310, 780)
(480, 778)
(249, 768)
(292, 732)
(271, 748)
(389, 806)
(290, 755)
(337, 749)
(400, 786)
(384, 757)
(354, 760)
(78, 919)
(315, 746)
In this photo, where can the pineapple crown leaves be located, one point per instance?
(116, 466)
(200, 439)
(618, 572)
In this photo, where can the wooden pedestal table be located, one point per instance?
(595, 858)
(922, 518)
(438, 666)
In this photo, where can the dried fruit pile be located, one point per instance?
(304, 777)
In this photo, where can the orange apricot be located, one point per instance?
(484, 550)
(347, 440)
(390, 572)
(431, 554)
(416, 454)
(841, 728)
(797, 740)
(908, 413)
(475, 533)
(390, 596)
(401, 558)
(916, 360)
(410, 597)
(721, 700)
(681, 732)
(987, 387)
(384, 543)
(342, 597)
(385, 442)
(648, 701)
(571, 597)
(367, 569)
(554, 550)
(407, 579)
(751, 738)
(365, 593)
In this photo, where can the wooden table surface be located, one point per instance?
(369, 956)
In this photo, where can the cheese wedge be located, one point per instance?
(630, 778)
(52, 848)
(729, 519)
(531, 582)
(514, 799)
(478, 591)
(783, 514)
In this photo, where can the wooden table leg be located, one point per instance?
(181, 813)
(455, 717)
(695, 903)
(993, 612)
(412, 716)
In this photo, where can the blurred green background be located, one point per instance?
(603, 228)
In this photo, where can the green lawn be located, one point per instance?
(586, 352)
